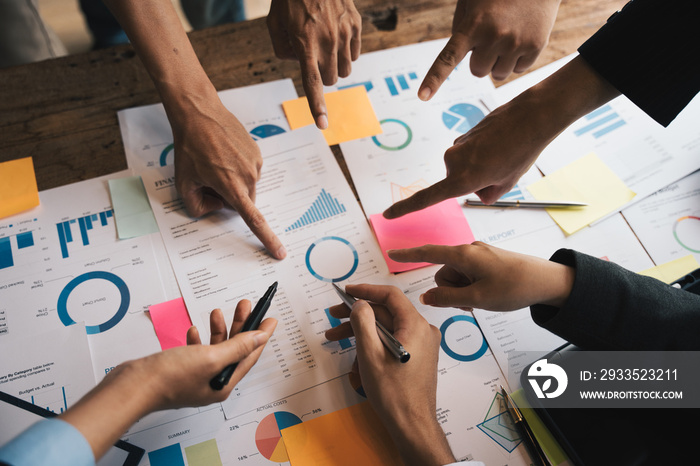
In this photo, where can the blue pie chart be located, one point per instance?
(62, 305)
(462, 117)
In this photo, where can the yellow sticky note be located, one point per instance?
(587, 180)
(350, 115)
(671, 271)
(18, 190)
(350, 436)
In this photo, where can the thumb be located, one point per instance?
(448, 296)
(364, 327)
(240, 346)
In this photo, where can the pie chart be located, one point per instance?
(462, 117)
(268, 435)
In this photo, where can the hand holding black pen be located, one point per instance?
(252, 323)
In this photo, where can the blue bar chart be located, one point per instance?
(325, 206)
(600, 122)
(23, 240)
(399, 83)
(59, 405)
(85, 224)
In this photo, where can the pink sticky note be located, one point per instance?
(443, 223)
(171, 322)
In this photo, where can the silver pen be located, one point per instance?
(393, 345)
(524, 203)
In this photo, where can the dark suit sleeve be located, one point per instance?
(611, 308)
(650, 51)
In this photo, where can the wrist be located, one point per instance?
(425, 446)
(560, 281)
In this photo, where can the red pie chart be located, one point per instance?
(268, 435)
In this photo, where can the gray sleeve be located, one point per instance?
(612, 308)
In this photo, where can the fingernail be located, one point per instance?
(281, 253)
(322, 121)
(427, 298)
(260, 338)
(424, 93)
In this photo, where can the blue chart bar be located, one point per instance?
(392, 87)
(85, 224)
(6, 253)
(345, 342)
(602, 121)
(324, 206)
(25, 240)
(368, 86)
(167, 456)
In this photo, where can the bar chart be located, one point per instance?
(325, 206)
(600, 122)
(85, 224)
(22, 241)
(345, 343)
(400, 82)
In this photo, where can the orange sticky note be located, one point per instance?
(18, 190)
(442, 223)
(171, 322)
(350, 436)
(350, 115)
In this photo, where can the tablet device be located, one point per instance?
(24, 414)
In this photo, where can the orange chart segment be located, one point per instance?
(268, 436)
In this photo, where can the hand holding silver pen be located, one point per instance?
(391, 343)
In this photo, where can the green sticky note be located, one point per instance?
(132, 211)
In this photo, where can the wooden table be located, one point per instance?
(62, 112)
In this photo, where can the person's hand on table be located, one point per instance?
(324, 36)
(217, 164)
(174, 378)
(481, 276)
(403, 395)
(504, 36)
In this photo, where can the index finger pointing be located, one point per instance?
(434, 254)
(420, 200)
(313, 88)
(258, 225)
(450, 56)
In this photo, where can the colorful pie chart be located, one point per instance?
(268, 436)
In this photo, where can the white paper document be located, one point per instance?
(218, 261)
(67, 265)
(148, 138)
(668, 222)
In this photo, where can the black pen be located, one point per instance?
(392, 344)
(251, 323)
(533, 447)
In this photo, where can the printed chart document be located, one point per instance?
(642, 153)
(668, 222)
(408, 155)
(218, 261)
(51, 370)
(63, 264)
(148, 138)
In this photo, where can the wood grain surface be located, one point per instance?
(62, 112)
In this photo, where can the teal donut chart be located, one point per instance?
(62, 305)
(409, 135)
(355, 263)
(453, 354)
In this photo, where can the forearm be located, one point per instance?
(564, 97)
(106, 412)
(159, 39)
(424, 446)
